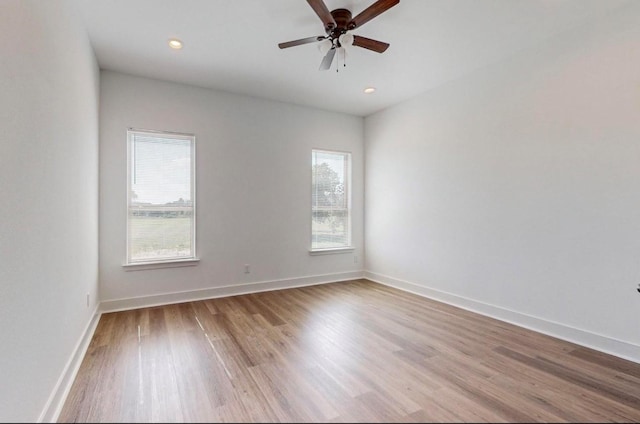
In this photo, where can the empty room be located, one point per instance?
(320, 211)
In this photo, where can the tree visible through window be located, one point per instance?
(330, 200)
(161, 204)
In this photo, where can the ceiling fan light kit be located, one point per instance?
(338, 25)
(324, 46)
(346, 40)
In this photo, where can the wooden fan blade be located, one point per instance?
(300, 42)
(371, 12)
(327, 59)
(323, 13)
(368, 43)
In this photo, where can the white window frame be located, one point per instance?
(166, 262)
(349, 246)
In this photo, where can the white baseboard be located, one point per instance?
(584, 338)
(236, 289)
(59, 394)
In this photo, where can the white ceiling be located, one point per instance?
(232, 45)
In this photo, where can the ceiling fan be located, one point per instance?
(338, 23)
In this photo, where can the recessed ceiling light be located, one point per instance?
(369, 90)
(175, 44)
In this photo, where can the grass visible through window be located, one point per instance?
(160, 237)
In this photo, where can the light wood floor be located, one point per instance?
(343, 352)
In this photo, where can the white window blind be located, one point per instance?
(330, 200)
(161, 197)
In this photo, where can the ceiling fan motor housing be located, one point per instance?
(343, 19)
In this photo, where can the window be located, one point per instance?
(161, 197)
(330, 200)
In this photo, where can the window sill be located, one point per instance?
(139, 266)
(331, 251)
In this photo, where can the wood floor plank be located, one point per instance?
(353, 351)
(578, 404)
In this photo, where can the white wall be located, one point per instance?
(253, 189)
(49, 183)
(516, 190)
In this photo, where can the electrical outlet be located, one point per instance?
(247, 268)
(355, 259)
(88, 299)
